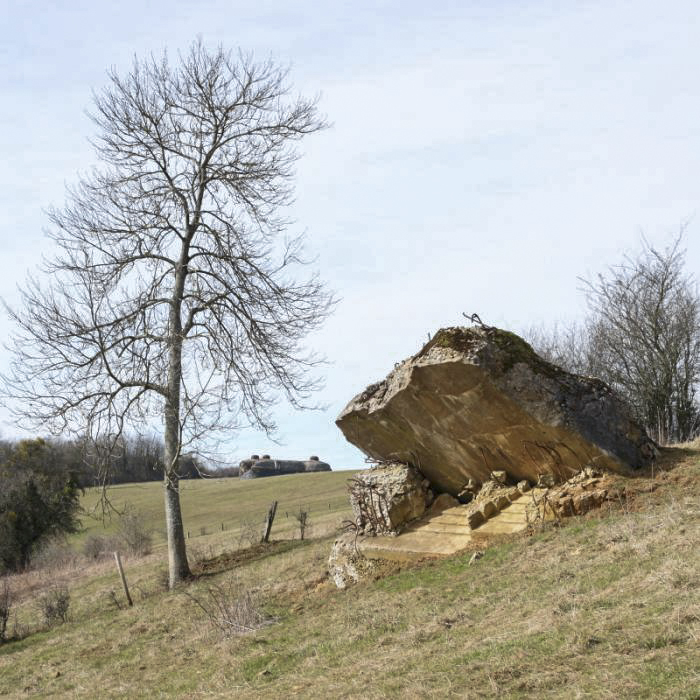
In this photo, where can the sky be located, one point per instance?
(483, 156)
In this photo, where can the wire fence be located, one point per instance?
(285, 517)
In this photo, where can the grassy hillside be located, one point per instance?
(210, 503)
(605, 606)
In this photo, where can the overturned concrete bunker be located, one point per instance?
(477, 436)
(477, 400)
(255, 467)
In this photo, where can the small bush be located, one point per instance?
(98, 546)
(113, 600)
(54, 606)
(54, 555)
(229, 610)
(302, 518)
(134, 533)
(249, 534)
(5, 608)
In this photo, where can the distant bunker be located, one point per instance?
(257, 467)
(477, 400)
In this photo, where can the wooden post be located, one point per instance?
(120, 568)
(268, 521)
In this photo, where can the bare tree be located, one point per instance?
(641, 336)
(564, 345)
(172, 295)
(645, 338)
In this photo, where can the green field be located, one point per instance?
(603, 606)
(209, 504)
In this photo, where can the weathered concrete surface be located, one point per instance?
(478, 400)
(346, 564)
(496, 510)
(386, 497)
(449, 527)
(255, 468)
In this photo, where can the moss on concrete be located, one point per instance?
(513, 348)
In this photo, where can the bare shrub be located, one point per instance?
(113, 600)
(229, 609)
(54, 605)
(56, 554)
(642, 337)
(5, 608)
(98, 546)
(302, 518)
(248, 534)
(134, 533)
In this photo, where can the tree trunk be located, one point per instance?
(178, 567)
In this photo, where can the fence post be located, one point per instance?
(120, 569)
(268, 521)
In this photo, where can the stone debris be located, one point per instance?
(387, 496)
(475, 402)
(346, 565)
(447, 527)
(504, 441)
(443, 502)
(583, 492)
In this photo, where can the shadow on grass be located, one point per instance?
(668, 460)
(230, 560)
(15, 644)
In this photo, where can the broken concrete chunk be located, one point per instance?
(500, 477)
(465, 496)
(488, 490)
(546, 481)
(443, 502)
(523, 486)
(475, 400)
(346, 565)
(502, 502)
(386, 497)
(488, 508)
(475, 519)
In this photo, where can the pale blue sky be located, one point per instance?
(483, 155)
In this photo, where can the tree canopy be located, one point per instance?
(39, 498)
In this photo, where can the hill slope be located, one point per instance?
(605, 606)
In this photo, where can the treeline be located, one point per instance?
(132, 459)
(41, 481)
(641, 336)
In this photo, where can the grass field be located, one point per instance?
(605, 606)
(207, 504)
